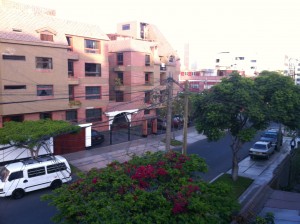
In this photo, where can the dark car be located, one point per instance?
(177, 122)
(97, 137)
(161, 124)
(272, 136)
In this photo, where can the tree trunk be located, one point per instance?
(235, 147)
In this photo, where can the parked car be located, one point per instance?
(161, 124)
(33, 174)
(177, 122)
(271, 135)
(97, 137)
(261, 149)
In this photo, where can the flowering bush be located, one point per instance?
(156, 188)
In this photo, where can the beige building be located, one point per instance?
(50, 68)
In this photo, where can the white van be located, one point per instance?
(33, 174)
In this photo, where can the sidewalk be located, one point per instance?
(101, 156)
(259, 198)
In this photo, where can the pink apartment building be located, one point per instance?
(204, 79)
(140, 60)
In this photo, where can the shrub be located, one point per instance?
(156, 188)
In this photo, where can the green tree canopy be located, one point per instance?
(234, 106)
(281, 97)
(32, 135)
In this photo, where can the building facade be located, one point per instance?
(51, 68)
(65, 70)
(244, 63)
(140, 60)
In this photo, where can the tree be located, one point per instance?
(281, 98)
(156, 188)
(234, 106)
(33, 135)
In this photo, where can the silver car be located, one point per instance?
(261, 149)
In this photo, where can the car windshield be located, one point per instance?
(3, 173)
(267, 135)
(259, 146)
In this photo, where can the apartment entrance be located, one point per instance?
(120, 121)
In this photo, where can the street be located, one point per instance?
(217, 155)
(30, 209)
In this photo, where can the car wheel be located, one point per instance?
(56, 184)
(251, 157)
(18, 193)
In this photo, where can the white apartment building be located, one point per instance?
(246, 63)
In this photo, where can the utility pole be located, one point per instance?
(169, 113)
(185, 120)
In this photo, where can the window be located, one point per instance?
(44, 90)
(70, 43)
(147, 59)
(119, 96)
(71, 115)
(92, 46)
(56, 167)
(120, 77)
(15, 175)
(71, 92)
(92, 69)
(45, 116)
(194, 86)
(120, 58)
(13, 57)
(147, 96)
(16, 118)
(171, 58)
(36, 172)
(147, 78)
(126, 27)
(92, 92)
(162, 96)
(44, 63)
(7, 87)
(46, 37)
(146, 111)
(93, 115)
(70, 67)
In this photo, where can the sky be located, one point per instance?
(268, 29)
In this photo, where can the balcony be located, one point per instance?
(149, 68)
(163, 67)
(119, 68)
(72, 55)
(73, 81)
(74, 104)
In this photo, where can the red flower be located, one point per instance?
(178, 166)
(94, 181)
(179, 208)
(161, 172)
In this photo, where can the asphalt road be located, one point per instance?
(218, 155)
(31, 210)
(26, 210)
